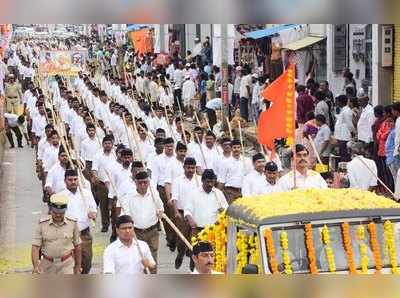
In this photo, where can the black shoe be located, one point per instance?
(178, 262)
(12, 147)
(172, 246)
(20, 146)
(191, 266)
(104, 229)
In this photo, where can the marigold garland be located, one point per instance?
(330, 256)
(254, 250)
(242, 247)
(285, 252)
(269, 241)
(310, 248)
(390, 243)
(364, 260)
(376, 251)
(348, 248)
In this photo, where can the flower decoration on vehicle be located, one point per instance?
(390, 244)
(308, 233)
(346, 238)
(376, 251)
(285, 253)
(330, 256)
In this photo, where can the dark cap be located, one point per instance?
(203, 246)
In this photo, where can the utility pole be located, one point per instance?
(224, 76)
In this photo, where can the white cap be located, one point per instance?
(361, 93)
(187, 77)
(254, 75)
(187, 65)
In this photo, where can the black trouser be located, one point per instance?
(343, 152)
(212, 117)
(203, 101)
(17, 134)
(178, 98)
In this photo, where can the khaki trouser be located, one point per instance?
(231, 194)
(101, 195)
(57, 267)
(152, 238)
(12, 105)
(184, 228)
(87, 251)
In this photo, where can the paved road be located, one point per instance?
(20, 209)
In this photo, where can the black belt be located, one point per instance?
(85, 231)
(12, 96)
(147, 229)
(234, 188)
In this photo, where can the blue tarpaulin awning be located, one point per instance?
(268, 32)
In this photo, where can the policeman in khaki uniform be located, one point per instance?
(13, 93)
(57, 240)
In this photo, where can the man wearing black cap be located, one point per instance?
(57, 237)
(203, 258)
(181, 190)
(159, 169)
(175, 167)
(271, 177)
(203, 206)
(146, 208)
(305, 178)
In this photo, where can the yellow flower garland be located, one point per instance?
(242, 247)
(390, 243)
(330, 256)
(364, 260)
(285, 252)
(376, 251)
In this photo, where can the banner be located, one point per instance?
(142, 40)
(278, 121)
(63, 63)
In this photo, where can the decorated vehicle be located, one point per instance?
(307, 231)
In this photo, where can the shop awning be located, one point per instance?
(268, 32)
(302, 43)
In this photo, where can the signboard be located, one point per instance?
(63, 63)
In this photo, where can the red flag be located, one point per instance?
(279, 120)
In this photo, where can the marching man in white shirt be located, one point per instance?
(146, 209)
(253, 183)
(127, 255)
(367, 119)
(305, 178)
(82, 207)
(182, 188)
(204, 205)
(55, 176)
(233, 172)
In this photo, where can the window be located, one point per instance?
(340, 47)
(368, 55)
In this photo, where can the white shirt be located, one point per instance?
(364, 125)
(344, 124)
(188, 91)
(79, 206)
(360, 175)
(102, 163)
(244, 82)
(203, 207)
(55, 178)
(42, 145)
(12, 119)
(143, 209)
(50, 157)
(89, 148)
(174, 170)
(234, 170)
(178, 78)
(310, 181)
(120, 259)
(253, 184)
(182, 189)
(323, 135)
(159, 168)
(38, 125)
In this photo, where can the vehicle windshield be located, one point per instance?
(298, 252)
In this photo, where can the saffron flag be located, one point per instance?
(142, 41)
(279, 120)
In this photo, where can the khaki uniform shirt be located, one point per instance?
(56, 240)
(12, 90)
